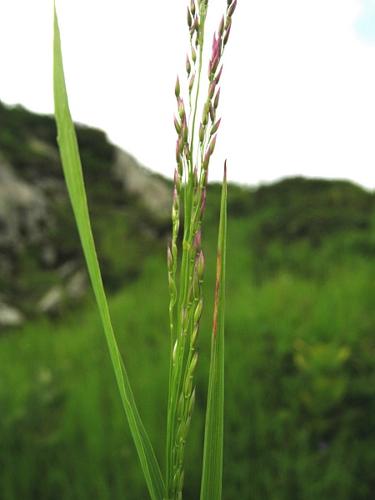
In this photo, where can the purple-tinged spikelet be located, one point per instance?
(215, 127)
(200, 265)
(198, 240)
(177, 88)
(189, 18)
(218, 76)
(211, 147)
(188, 65)
(216, 100)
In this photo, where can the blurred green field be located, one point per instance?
(300, 364)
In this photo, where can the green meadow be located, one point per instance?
(299, 358)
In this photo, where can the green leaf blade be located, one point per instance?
(211, 486)
(72, 168)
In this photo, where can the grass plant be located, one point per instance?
(196, 139)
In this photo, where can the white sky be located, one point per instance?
(298, 92)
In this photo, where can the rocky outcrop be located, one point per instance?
(10, 316)
(41, 261)
(23, 211)
(136, 180)
(52, 301)
(62, 294)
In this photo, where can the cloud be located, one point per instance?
(298, 84)
(365, 24)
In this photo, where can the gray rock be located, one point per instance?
(67, 269)
(23, 211)
(44, 149)
(52, 301)
(48, 255)
(76, 288)
(137, 180)
(60, 295)
(10, 316)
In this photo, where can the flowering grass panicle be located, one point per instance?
(195, 145)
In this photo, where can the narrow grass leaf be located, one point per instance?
(74, 179)
(212, 473)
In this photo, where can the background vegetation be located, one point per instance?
(300, 349)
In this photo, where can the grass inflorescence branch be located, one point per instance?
(195, 145)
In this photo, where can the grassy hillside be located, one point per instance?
(28, 147)
(300, 377)
(300, 357)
